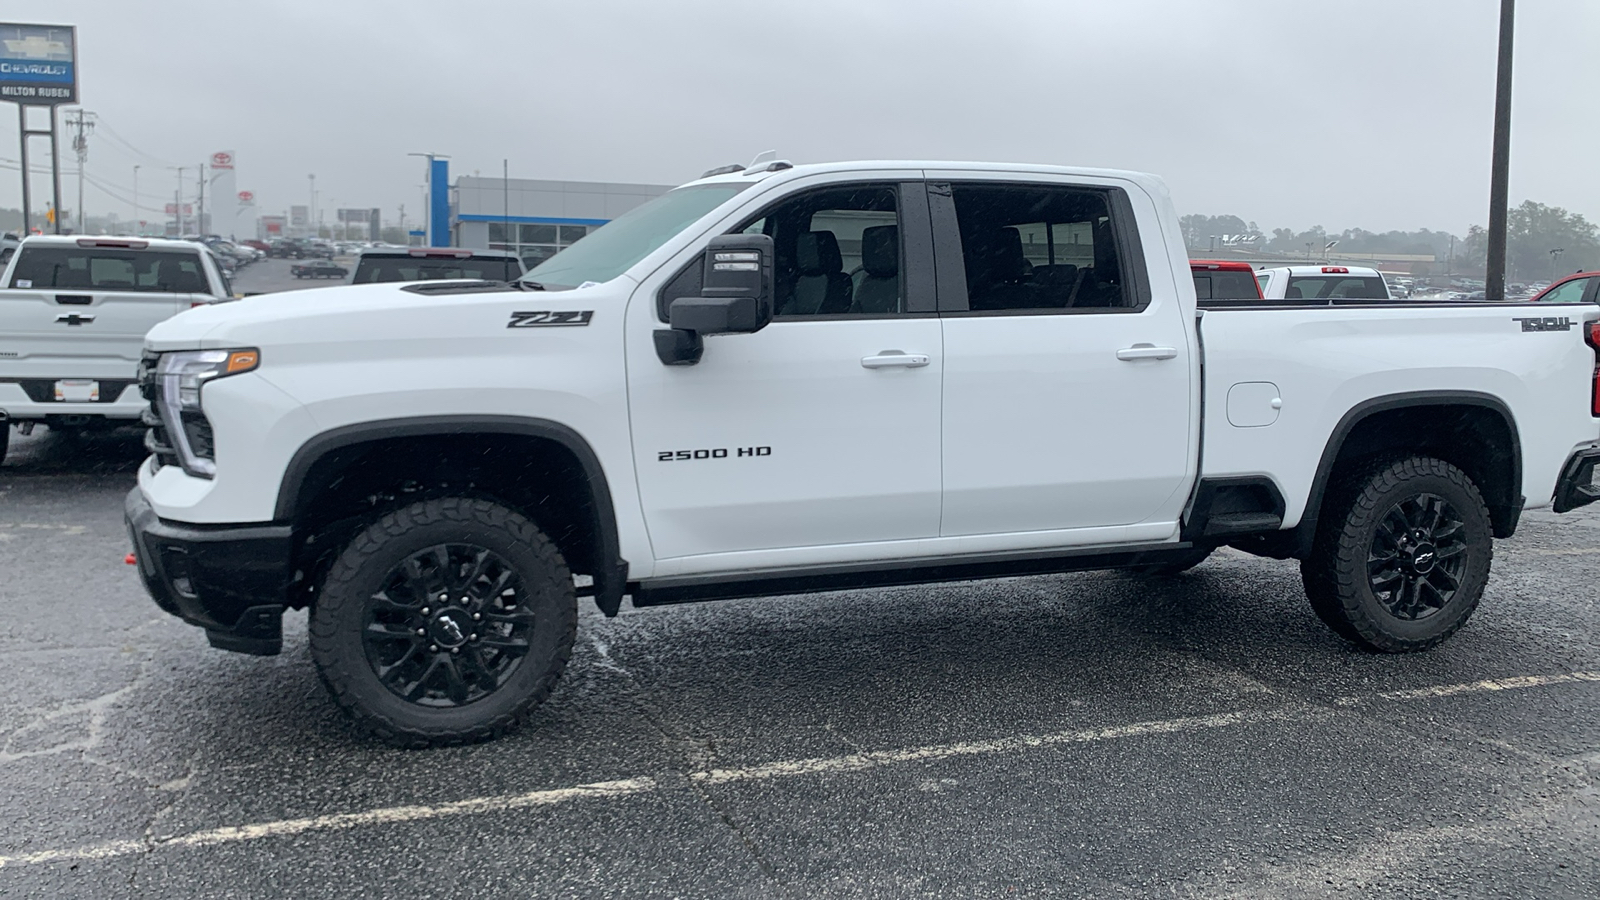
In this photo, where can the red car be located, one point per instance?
(1216, 279)
(1580, 288)
(263, 246)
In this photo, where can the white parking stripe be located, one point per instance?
(856, 762)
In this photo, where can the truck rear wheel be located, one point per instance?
(1401, 555)
(445, 622)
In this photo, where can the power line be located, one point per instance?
(112, 133)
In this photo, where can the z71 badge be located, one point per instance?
(1545, 323)
(549, 319)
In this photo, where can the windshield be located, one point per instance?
(373, 269)
(611, 249)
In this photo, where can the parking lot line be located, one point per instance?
(855, 762)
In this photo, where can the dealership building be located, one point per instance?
(536, 218)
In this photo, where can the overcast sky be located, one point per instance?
(1343, 113)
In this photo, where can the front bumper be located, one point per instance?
(231, 580)
(1576, 487)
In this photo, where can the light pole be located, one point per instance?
(1331, 245)
(311, 211)
(136, 199)
(1309, 245)
(1553, 254)
(1494, 276)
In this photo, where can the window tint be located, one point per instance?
(1571, 292)
(838, 251)
(1337, 287)
(109, 269)
(1038, 247)
(1225, 285)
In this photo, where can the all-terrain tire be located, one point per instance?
(361, 585)
(1353, 588)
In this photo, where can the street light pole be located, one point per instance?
(1494, 277)
(136, 199)
(311, 211)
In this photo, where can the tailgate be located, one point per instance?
(66, 332)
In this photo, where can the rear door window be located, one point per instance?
(1041, 248)
(109, 269)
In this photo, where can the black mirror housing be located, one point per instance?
(718, 315)
(736, 298)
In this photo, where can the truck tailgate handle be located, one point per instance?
(74, 299)
(886, 358)
(1146, 351)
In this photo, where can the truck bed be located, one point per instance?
(1326, 362)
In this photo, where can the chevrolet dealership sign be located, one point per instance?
(38, 64)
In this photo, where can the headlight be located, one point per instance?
(181, 376)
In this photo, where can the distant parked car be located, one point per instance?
(263, 246)
(318, 268)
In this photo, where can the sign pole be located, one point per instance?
(55, 167)
(27, 211)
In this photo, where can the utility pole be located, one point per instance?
(1494, 278)
(311, 211)
(200, 207)
(177, 206)
(84, 121)
(137, 221)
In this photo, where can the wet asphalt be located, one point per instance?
(1065, 736)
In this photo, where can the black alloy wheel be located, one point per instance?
(449, 625)
(1418, 557)
(444, 622)
(1401, 554)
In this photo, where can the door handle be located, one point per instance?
(887, 358)
(1146, 351)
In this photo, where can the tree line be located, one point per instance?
(1533, 230)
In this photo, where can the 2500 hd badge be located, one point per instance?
(718, 453)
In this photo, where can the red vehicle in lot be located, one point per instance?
(1216, 279)
(1583, 287)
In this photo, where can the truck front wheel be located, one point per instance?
(444, 622)
(1401, 555)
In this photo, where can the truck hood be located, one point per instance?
(369, 312)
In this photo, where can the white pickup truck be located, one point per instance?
(1327, 283)
(786, 379)
(73, 315)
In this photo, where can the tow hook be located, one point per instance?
(131, 559)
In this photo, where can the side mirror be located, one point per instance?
(737, 298)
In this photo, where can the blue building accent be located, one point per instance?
(439, 201)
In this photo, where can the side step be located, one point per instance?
(1242, 523)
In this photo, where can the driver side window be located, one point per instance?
(838, 251)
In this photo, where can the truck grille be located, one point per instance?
(156, 439)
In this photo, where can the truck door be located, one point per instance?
(822, 428)
(1068, 369)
